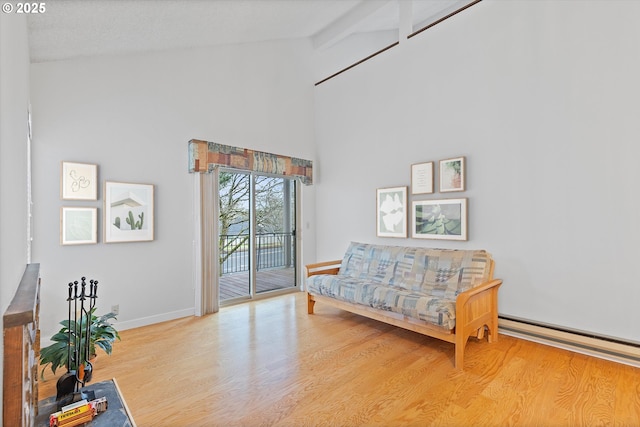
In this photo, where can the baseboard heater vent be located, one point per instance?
(627, 352)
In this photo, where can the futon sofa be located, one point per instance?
(443, 293)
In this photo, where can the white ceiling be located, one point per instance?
(77, 28)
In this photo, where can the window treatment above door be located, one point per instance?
(204, 156)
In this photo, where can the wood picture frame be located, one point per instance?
(78, 181)
(444, 219)
(391, 212)
(422, 178)
(452, 175)
(128, 212)
(78, 225)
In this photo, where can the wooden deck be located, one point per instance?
(236, 285)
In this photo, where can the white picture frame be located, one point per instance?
(128, 212)
(78, 181)
(78, 225)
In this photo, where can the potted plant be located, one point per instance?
(102, 334)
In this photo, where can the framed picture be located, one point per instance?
(78, 181)
(452, 175)
(128, 212)
(422, 178)
(78, 226)
(391, 212)
(444, 219)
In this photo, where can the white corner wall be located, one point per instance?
(542, 99)
(14, 106)
(133, 116)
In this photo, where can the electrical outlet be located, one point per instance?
(115, 309)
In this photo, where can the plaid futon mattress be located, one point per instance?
(420, 283)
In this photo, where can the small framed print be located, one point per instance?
(79, 181)
(444, 219)
(128, 212)
(422, 178)
(391, 212)
(78, 226)
(452, 175)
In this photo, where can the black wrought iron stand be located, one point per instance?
(79, 368)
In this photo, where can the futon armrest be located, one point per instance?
(463, 297)
(327, 267)
(476, 308)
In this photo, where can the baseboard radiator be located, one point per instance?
(614, 349)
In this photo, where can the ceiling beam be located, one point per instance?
(442, 14)
(347, 24)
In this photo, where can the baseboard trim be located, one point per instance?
(144, 321)
(150, 320)
(603, 347)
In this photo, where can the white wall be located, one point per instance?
(14, 104)
(542, 99)
(133, 116)
(346, 52)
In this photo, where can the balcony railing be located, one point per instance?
(272, 250)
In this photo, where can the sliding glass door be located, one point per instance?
(257, 244)
(275, 233)
(234, 239)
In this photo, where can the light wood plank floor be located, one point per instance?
(268, 363)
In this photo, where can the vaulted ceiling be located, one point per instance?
(80, 28)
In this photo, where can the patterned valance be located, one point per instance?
(204, 156)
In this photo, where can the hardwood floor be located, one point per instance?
(270, 363)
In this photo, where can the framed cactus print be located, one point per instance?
(128, 212)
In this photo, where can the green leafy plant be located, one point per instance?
(102, 334)
(455, 165)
